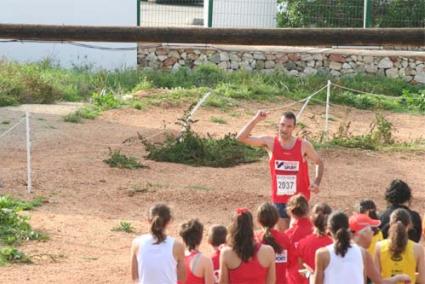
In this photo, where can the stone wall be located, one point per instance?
(296, 61)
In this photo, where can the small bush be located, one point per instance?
(118, 160)
(124, 227)
(12, 255)
(194, 150)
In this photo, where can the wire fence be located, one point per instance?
(283, 13)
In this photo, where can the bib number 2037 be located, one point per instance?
(286, 184)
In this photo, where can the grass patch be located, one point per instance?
(118, 160)
(14, 228)
(124, 227)
(191, 149)
(218, 120)
(5, 122)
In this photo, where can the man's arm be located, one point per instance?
(244, 134)
(312, 155)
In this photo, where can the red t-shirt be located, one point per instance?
(300, 229)
(284, 258)
(308, 246)
(289, 172)
(190, 277)
(216, 263)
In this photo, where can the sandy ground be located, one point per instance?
(87, 198)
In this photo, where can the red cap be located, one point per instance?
(360, 221)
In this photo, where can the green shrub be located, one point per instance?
(124, 227)
(118, 160)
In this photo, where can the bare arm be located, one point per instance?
(420, 262)
(178, 252)
(321, 264)
(271, 273)
(313, 156)
(208, 271)
(224, 271)
(244, 134)
(133, 262)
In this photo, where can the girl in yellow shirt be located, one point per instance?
(398, 254)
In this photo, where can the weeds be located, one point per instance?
(124, 227)
(218, 120)
(192, 149)
(118, 160)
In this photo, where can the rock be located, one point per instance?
(335, 73)
(346, 66)
(409, 71)
(301, 64)
(385, 63)
(269, 64)
(371, 69)
(318, 57)
(267, 71)
(420, 77)
(404, 63)
(279, 66)
(259, 56)
(337, 58)
(183, 55)
(170, 61)
(246, 66)
(293, 73)
(174, 54)
(282, 59)
(294, 57)
(234, 57)
(412, 65)
(270, 56)
(192, 56)
(306, 57)
(182, 62)
(234, 65)
(420, 68)
(259, 65)
(223, 65)
(176, 67)
(310, 63)
(215, 58)
(310, 71)
(335, 65)
(368, 59)
(151, 57)
(224, 56)
(247, 56)
(290, 65)
(162, 57)
(407, 78)
(319, 64)
(347, 71)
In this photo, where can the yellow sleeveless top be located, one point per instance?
(376, 238)
(405, 264)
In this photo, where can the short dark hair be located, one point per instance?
(191, 233)
(217, 235)
(398, 192)
(290, 115)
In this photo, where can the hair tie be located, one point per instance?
(242, 210)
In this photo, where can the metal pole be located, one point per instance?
(138, 12)
(210, 13)
(367, 14)
(328, 94)
(28, 133)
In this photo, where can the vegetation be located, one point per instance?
(118, 160)
(124, 227)
(14, 228)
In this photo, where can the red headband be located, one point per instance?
(240, 211)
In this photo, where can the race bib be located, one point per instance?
(286, 185)
(289, 166)
(282, 257)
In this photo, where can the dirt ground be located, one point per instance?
(87, 198)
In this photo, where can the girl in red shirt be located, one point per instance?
(308, 246)
(217, 239)
(267, 217)
(300, 228)
(244, 261)
(199, 268)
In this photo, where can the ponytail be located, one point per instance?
(399, 222)
(338, 225)
(342, 243)
(241, 235)
(319, 218)
(268, 216)
(159, 217)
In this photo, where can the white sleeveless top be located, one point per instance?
(348, 269)
(156, 262)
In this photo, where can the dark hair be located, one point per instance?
(399, 221)
(368, 206)
(398, 192)
(338, 225)
(241, 236)
(268, 216)
(159, 217)
(191, 233)
(298, 205)
(319, 217)
(290, 115)
(217, 235)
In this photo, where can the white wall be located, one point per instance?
(243, 13)
(70, 12)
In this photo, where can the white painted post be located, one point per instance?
(29, 181)
(328, 94)
(364, 13)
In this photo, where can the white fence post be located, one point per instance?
(29, 180)
(328, 94)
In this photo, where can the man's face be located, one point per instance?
(286, 126)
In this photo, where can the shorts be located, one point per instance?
(281, 209)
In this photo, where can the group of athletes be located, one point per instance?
(297, 243)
